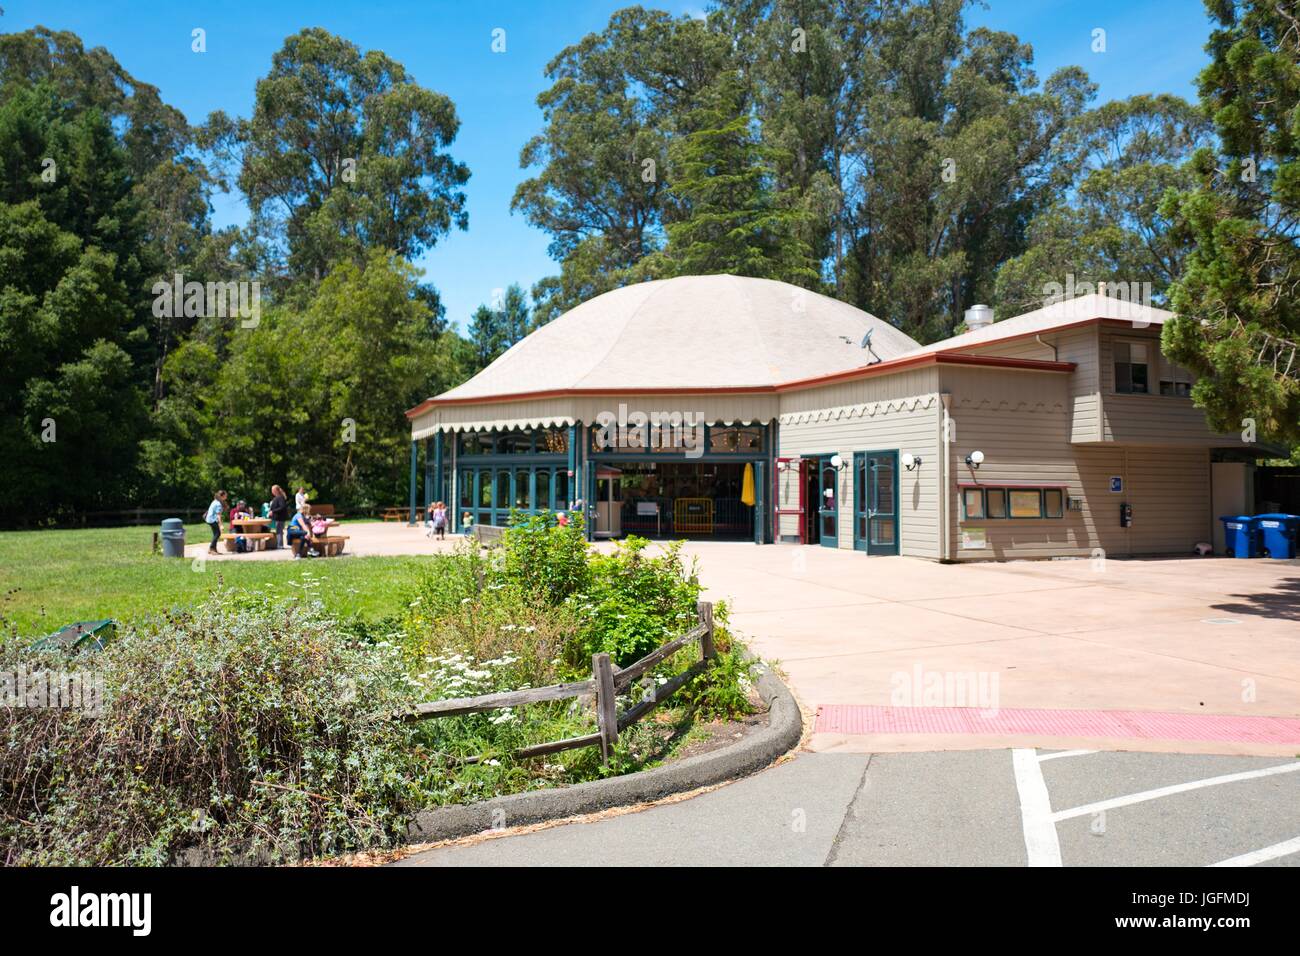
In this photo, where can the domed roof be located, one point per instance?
(711, 332)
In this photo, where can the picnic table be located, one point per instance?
(395, 514)
(252, 530)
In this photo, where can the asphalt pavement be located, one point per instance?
(944, 808)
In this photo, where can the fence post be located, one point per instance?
(707, 650)
(602, 672)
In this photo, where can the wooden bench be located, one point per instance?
(488, 535)
(259, 540)
(330, 546)
(323, 511)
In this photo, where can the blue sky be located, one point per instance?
(1152, 46)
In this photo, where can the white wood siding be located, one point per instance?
(1021, 427)
(890, 412)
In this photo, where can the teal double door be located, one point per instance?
(875, 501)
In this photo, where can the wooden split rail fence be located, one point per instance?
(606, 684)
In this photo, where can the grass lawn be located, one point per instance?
(52, 578)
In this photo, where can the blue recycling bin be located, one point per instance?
(1240, 536)
(1277, 534)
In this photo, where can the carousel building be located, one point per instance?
(747, 409)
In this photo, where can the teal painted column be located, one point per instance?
(415, 455)
(439, 479)
(760, 501)
(428, 472)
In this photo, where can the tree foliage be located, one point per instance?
(345, 153)
(1238, 299)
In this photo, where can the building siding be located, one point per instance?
(893, 412)
(1021, 427)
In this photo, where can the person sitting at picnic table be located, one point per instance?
(279, 513)
(213, 518)
(240, 511)
(300, 533)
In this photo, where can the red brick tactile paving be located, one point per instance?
(870, 719)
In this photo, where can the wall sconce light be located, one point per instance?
(780, 466)
(975, 459)
(838, 463)
(911, 461)
(829, 493)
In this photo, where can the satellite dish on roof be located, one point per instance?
(866, 344)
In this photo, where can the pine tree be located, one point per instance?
(1238, 302)
(728, 216)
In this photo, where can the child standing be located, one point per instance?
(213, 518)
(440, 520)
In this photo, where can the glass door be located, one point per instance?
(875, 502)
(828, 513)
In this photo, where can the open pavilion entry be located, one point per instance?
(714, 489)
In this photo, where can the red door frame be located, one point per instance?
(776, 495)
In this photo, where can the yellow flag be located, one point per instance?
(747, 486)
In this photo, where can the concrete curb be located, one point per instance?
(783, 732)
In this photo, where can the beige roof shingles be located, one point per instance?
(712, 332)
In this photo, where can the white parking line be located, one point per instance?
(1286, 848)
(1041, 844)
(1156, 794)
(1066, 753)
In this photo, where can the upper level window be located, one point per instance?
(729, 439)
(1131, 367)
(1174, 379)
(553, 441)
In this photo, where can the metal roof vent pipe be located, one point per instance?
(978, 317)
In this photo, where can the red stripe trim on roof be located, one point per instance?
(880, 368)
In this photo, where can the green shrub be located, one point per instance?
(544, 558)
(239, 725)
(634, 603)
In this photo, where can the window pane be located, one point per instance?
(474, 443)
(1139, 375)
(1123, 377)
(882, 531)
(997, 499)
(882, 495)
(1052, 504)
(734, 439)
(485, 489)
(515, 443)
(973, 499)
(1025, 504)
(503, 490)
(523, 497)
(465, 488)
(553, 441)
(543, 499)
(561, 490)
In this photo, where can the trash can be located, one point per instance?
(173, 538)
(1240, 536)
(1277, 534)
